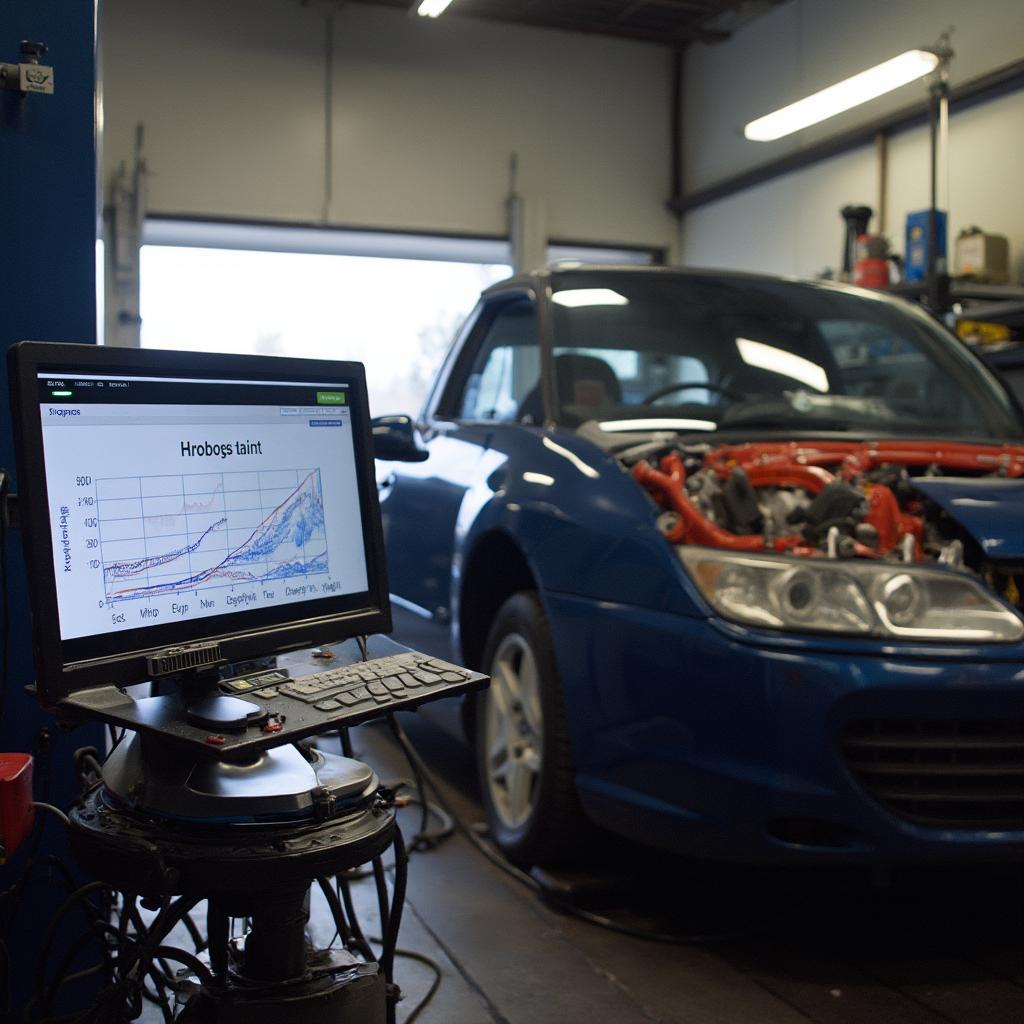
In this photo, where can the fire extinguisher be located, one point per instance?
(871, 269)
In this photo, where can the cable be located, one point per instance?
(341, 926)
(161, 996)
(382, 897)
(193, 963)
(434, 985)
(357, 933)
(128, 987)
(51, 809)
(194, 932)
(51, 932)
(393, 922)
(5, 615)
(409, 954)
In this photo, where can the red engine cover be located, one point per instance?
(811, 467)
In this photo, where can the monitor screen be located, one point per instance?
(230, 499)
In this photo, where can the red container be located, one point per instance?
(871, 273)
(16, 811)
(871, 269)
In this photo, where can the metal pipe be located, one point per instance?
(325, 213)
(676, 135)
(882, 156)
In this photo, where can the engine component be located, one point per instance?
(830, 499)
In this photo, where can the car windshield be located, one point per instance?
(670, 351)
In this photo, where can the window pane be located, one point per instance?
(397, 316)
(504, 381)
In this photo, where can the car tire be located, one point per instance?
(523, 753)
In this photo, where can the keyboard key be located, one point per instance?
(393, 683)
(452, 677)
(377, 689)
(327, 705)
(306, 698)
(305, 686)
(266, 693)
(427, 677)
(409, 680)
(348, 698)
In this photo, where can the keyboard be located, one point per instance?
(351, 693)
(368, 683)
(289, 707)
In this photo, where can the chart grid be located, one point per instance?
(187, 533)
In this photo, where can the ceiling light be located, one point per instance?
(575, 297)
(778, 360)
(844, 95)
(432, 8)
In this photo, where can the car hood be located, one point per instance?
(991, 510)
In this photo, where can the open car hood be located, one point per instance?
(991, 510)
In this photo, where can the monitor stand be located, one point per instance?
(206, 707)
(248, 831)
(220, 712)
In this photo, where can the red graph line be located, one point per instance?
(207, 573)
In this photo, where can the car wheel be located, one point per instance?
(524, 758)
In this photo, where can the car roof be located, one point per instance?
(537, 279)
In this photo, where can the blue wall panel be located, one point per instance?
(48, 220)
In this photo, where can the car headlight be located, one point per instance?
(856, 598)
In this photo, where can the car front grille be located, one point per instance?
(944, 774)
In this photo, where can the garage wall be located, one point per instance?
(791, 224)
(425, 115)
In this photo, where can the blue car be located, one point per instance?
(744, 557)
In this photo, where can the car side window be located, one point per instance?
(503, 382)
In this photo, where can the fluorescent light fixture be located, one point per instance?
(778, 360)
(576, 297)
(844, 95)
(539, 478)
(432, 8)
(614, 426)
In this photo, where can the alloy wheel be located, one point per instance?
(513, 731)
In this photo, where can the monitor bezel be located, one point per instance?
(57, 678)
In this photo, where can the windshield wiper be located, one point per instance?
(764, 421)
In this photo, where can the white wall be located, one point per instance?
(426, 114)
(791, 225)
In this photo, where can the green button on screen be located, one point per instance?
(330, 397)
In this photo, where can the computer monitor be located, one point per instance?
(169, 498)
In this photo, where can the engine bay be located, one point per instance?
(828, 499)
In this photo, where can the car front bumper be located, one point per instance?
(716, 742)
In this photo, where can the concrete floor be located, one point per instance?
(834, 947)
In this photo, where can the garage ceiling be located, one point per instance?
(669, 22)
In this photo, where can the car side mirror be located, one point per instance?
(395, 439)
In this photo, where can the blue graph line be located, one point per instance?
(276, 549)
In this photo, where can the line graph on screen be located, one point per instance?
(188, 533)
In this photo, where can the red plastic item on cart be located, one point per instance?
(16, 811)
